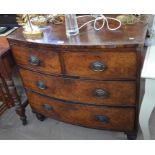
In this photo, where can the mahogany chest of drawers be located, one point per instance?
(92, 79)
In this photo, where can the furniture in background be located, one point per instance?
(5, 97)
(7, 24)
(6, 70)
(92, 79)
(148, 103)
(8, 20)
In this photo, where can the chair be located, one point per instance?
(5, 97)
(7, 84)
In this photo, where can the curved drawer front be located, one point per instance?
(102, 65)
(44, 61)
(85, 91)
(89, 116)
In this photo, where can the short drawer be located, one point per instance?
(85, 91)
(113, 64)
(37, 59)
(90, 116)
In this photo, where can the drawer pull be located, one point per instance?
(33, 60)
(41, 85)
(101, 93)
(102, 119)
(47, 107)
(98, 66)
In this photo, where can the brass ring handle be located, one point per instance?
(47, 107)
(33, 60)
(103, 119)
(41, 85)
(98, 66)
(100, 93)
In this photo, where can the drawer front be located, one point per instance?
(84, 115)
(85, 91)
(45, 61)
(102, 65)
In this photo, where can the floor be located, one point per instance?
(12, 129)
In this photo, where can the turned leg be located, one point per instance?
(7, 98)
(20, 108)
(40, 116)
(21, 112)
(147, 107)
(33, 111)
(131, 135)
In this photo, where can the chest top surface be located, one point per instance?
(55, 35)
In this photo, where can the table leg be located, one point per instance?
(20, 108)
(147, 107)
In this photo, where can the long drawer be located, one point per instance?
(89, 116)
(102, 64)
(85, 91)
(45, 61)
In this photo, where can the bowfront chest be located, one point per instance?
(91, 80)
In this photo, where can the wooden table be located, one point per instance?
(6, 69)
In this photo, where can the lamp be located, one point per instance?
(31, 32)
